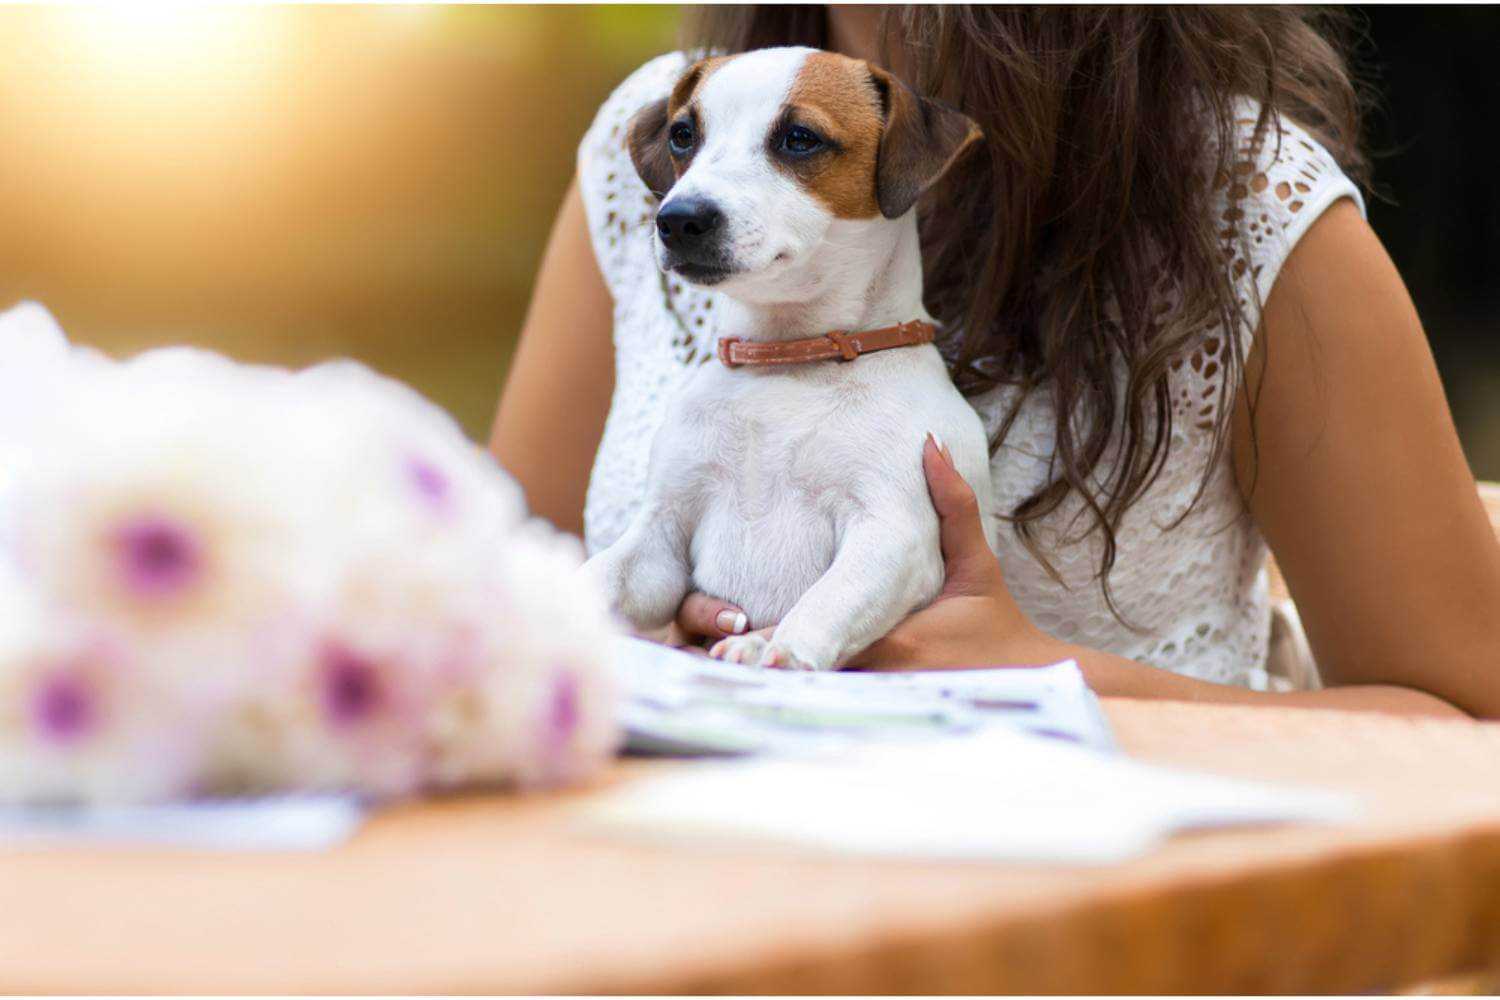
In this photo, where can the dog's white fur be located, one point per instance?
(796, 492)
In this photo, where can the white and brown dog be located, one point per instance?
(787, 478)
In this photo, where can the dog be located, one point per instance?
(787, 477)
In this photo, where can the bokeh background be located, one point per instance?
(289, 183)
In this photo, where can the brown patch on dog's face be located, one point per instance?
(683, 118)
(691, 79)
(650, 131)
(835, 101)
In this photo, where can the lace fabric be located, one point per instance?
(1192, 588)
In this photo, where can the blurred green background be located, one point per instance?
(289, 183)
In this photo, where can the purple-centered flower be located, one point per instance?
(65, 707)
(158, 556)
(352, 686)
(563, 712)
(431, 483)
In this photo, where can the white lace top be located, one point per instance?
(1195, 593)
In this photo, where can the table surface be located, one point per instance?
(496, 894)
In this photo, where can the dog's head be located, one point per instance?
(766, 160)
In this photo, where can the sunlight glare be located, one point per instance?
(151, 40)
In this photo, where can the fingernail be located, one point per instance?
(937, 442)
(947, 456)
(733, 622)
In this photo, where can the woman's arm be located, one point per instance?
(1359, 483)
(557, 394)
(1357, 480)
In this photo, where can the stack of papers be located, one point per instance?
(682, 704)
(1010, 764)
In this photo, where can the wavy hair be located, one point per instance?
(1080, 241)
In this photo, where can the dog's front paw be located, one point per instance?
(758, 651)
(746, 649)
(783, 656)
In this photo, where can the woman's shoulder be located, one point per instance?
(1281, 180)
(613, 196)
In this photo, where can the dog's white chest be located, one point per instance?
(775, 467)
(769, 492)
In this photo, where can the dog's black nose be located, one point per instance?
(688, 223)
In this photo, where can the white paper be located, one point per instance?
(277, 823)
(677, 703)
(996, 795)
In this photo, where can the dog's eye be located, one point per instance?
(800, 140)
(681, 137)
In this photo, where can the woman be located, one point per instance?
(1158, 289)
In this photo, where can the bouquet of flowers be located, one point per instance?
(221, 578)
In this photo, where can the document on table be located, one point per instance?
(272, 823)
(1008, 763)
(675, 703)
(997, 795)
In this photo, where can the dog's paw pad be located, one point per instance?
(746, 649)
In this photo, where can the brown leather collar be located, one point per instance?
(839, 345)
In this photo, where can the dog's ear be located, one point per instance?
(648, 147)
(648, 130)
(921, 139)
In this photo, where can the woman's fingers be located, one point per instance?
(971, 566)
(710, 617)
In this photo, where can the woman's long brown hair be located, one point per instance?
(1080, 241)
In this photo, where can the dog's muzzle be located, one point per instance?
(692, 232)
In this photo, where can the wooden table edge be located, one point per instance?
(1217, 925)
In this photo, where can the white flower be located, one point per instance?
(35, 353)
(430, 673)
(403, 463)
(230, 577)
(82, 717)
(33, 360)
(171, 497)
(336, 705)
(549, 711)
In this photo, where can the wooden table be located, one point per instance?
(503, 895)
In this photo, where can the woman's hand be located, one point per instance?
(973, 622)
(703, 621)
